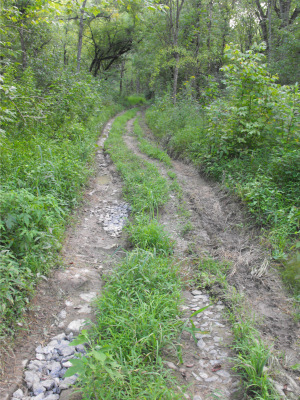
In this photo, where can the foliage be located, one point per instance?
(256, 112)
(249, 139)
(44, 159)
(134, 100)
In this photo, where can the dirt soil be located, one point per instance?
(220, 229)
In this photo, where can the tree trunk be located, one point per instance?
(176, 69)
(80, 36)
(23, 48)
(270, 30)
(121, 76)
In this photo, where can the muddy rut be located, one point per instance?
(94, 244)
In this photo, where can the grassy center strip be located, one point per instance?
(148, 148)
(137, 315)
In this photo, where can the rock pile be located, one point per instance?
(44, 376)
(114, 217)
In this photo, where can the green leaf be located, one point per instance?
(99, 355)
(78, 367)
(199, 311)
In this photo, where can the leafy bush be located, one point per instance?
(134, 100)
(16, 286)
(256, 112)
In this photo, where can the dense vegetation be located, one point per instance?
(248, 138)
(233, 109)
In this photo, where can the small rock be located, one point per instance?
(201, 344)
(62, 372)
(196, 292)
(183, 308)
(67, 351)
(62, 314)
(38, 397)
(31, 378)
(223, 373)
(67, 382)
(18, 394)
(40, 356)
(36, 365)
(212, 379)
(81, 348)
(38, 388)
(67, 364)
(202, 336)
(197, 397)
(196, 377)
(76, 325)
(54, 367)
(48, 384)
(61, 336)
(171, 365)
(53, 397)
(54, 343)
(203, 375)
(85, 309)
(39, 349)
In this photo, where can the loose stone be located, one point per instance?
(223, 373)
(171, 365)
(76, 325)
(18, 394)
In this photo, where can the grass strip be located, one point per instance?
(143, 186)
(148, 148)
(137, 315)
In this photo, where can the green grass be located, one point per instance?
(137, 317)
(148, 148)
(134, 100)
(148, 234)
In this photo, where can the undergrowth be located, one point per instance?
(44, 164)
